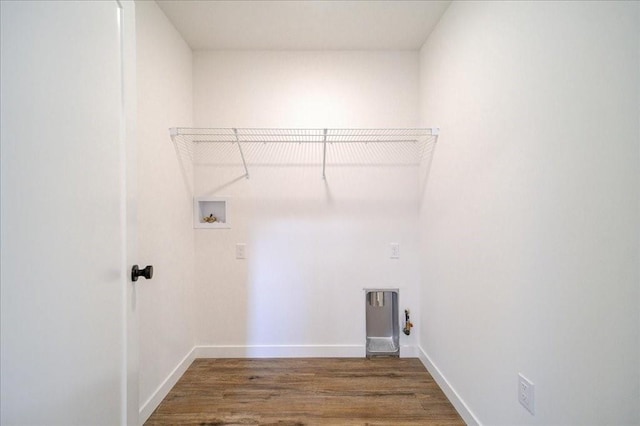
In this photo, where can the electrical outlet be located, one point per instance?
(241, 251)
(395, 251)
(526, 394)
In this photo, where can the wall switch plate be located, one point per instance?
(395, 251)
(526, 394)
(241, 251)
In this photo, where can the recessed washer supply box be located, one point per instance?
(210, 207)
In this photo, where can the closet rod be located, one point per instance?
(330, 141)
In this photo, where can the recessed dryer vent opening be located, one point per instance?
(383, 330)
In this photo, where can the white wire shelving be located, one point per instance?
(410, 143)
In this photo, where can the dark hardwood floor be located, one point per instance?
(306, 391)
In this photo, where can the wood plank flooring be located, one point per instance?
(306, 391)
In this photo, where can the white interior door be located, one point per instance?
(66, 238)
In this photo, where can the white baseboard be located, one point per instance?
(455, 399)
(163, 390)
(408, 352)
(290, 351)
(280, 351)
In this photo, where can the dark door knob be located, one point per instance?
(137, 272)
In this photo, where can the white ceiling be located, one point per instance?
(305, 24)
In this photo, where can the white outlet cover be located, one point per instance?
(241, 251)
(395, 251)
(526, 393)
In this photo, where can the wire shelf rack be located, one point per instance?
(406, 146)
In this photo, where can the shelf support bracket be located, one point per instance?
(244, 163)
(173, 132)
(324, 154)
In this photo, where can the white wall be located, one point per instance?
(530, 220)
(349, 89)
(312, 245)
(164, 202)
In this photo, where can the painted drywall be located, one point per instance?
(530, 218)
(345, 89)
(312, 245)
(165, 234)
